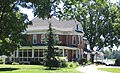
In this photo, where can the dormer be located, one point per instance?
(78, 28)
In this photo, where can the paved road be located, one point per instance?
(91, 69)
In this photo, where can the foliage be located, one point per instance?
(98, 19)
(51, 53)
(73, 64)
(34, 69)
(1, 60)
(117, 62)
(83, 61)
(114, 54)
(12, 23)
(63, 61)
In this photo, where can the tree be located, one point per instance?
(45, 9)
(97, 18)
(52, 52)
(12, 24)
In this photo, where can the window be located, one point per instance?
(29, 53)
(66, 53)
(76, 27)
(73, 39)
(20, 53)
(40, 53)
(79, 39)
(42, 38)
(25, 53)
(36, 53)
(34, 39)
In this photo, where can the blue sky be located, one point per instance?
(31, 16)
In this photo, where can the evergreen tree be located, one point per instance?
(51, 59)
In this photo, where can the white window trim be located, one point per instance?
(74, 36)
(42, 38)
(79, 39)
(35, 37)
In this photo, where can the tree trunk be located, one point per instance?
(50, 68)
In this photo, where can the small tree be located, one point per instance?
(52, 52)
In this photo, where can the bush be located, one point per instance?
(117, 62)
(63, 63)
(52, 63)
(15, 63)
(83, 61)
(1, 61)
(73, 64)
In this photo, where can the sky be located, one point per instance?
(31, 16)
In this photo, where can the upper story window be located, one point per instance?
(34, 39)
(57, 37)
(42, 38)
(77, 27)
(73, 40)
(79, 38)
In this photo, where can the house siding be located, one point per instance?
(62, 39)
(30, 39)
(69, 39)
(38, 38)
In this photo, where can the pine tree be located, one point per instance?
(51, 53)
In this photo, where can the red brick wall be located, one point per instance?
(62, 38)
(38, 38)
(69, 55)
(69, 40)
(77, 39)
(30, 39)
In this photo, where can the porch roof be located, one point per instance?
(45, 47)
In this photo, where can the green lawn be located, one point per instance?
(113, 70)
(33, 69)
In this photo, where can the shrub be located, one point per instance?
(52, 63)
(73, 64)
(63, 61)
(117, 62)
(77, 64)
(1, 60)
(83, 61)
(15, 63)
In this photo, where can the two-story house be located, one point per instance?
(69, 33)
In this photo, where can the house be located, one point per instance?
(69, 33)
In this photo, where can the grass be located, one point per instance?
(112, 70)
(33, 69)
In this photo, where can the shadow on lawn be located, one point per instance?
(8, 69)
(51, 69)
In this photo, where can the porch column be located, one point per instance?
(79, 54)
(14, 56)
(17, 52)
(76, 53)
(32, 53)
(11, 55)
(63, 52)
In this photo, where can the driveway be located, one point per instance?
(91, 69)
